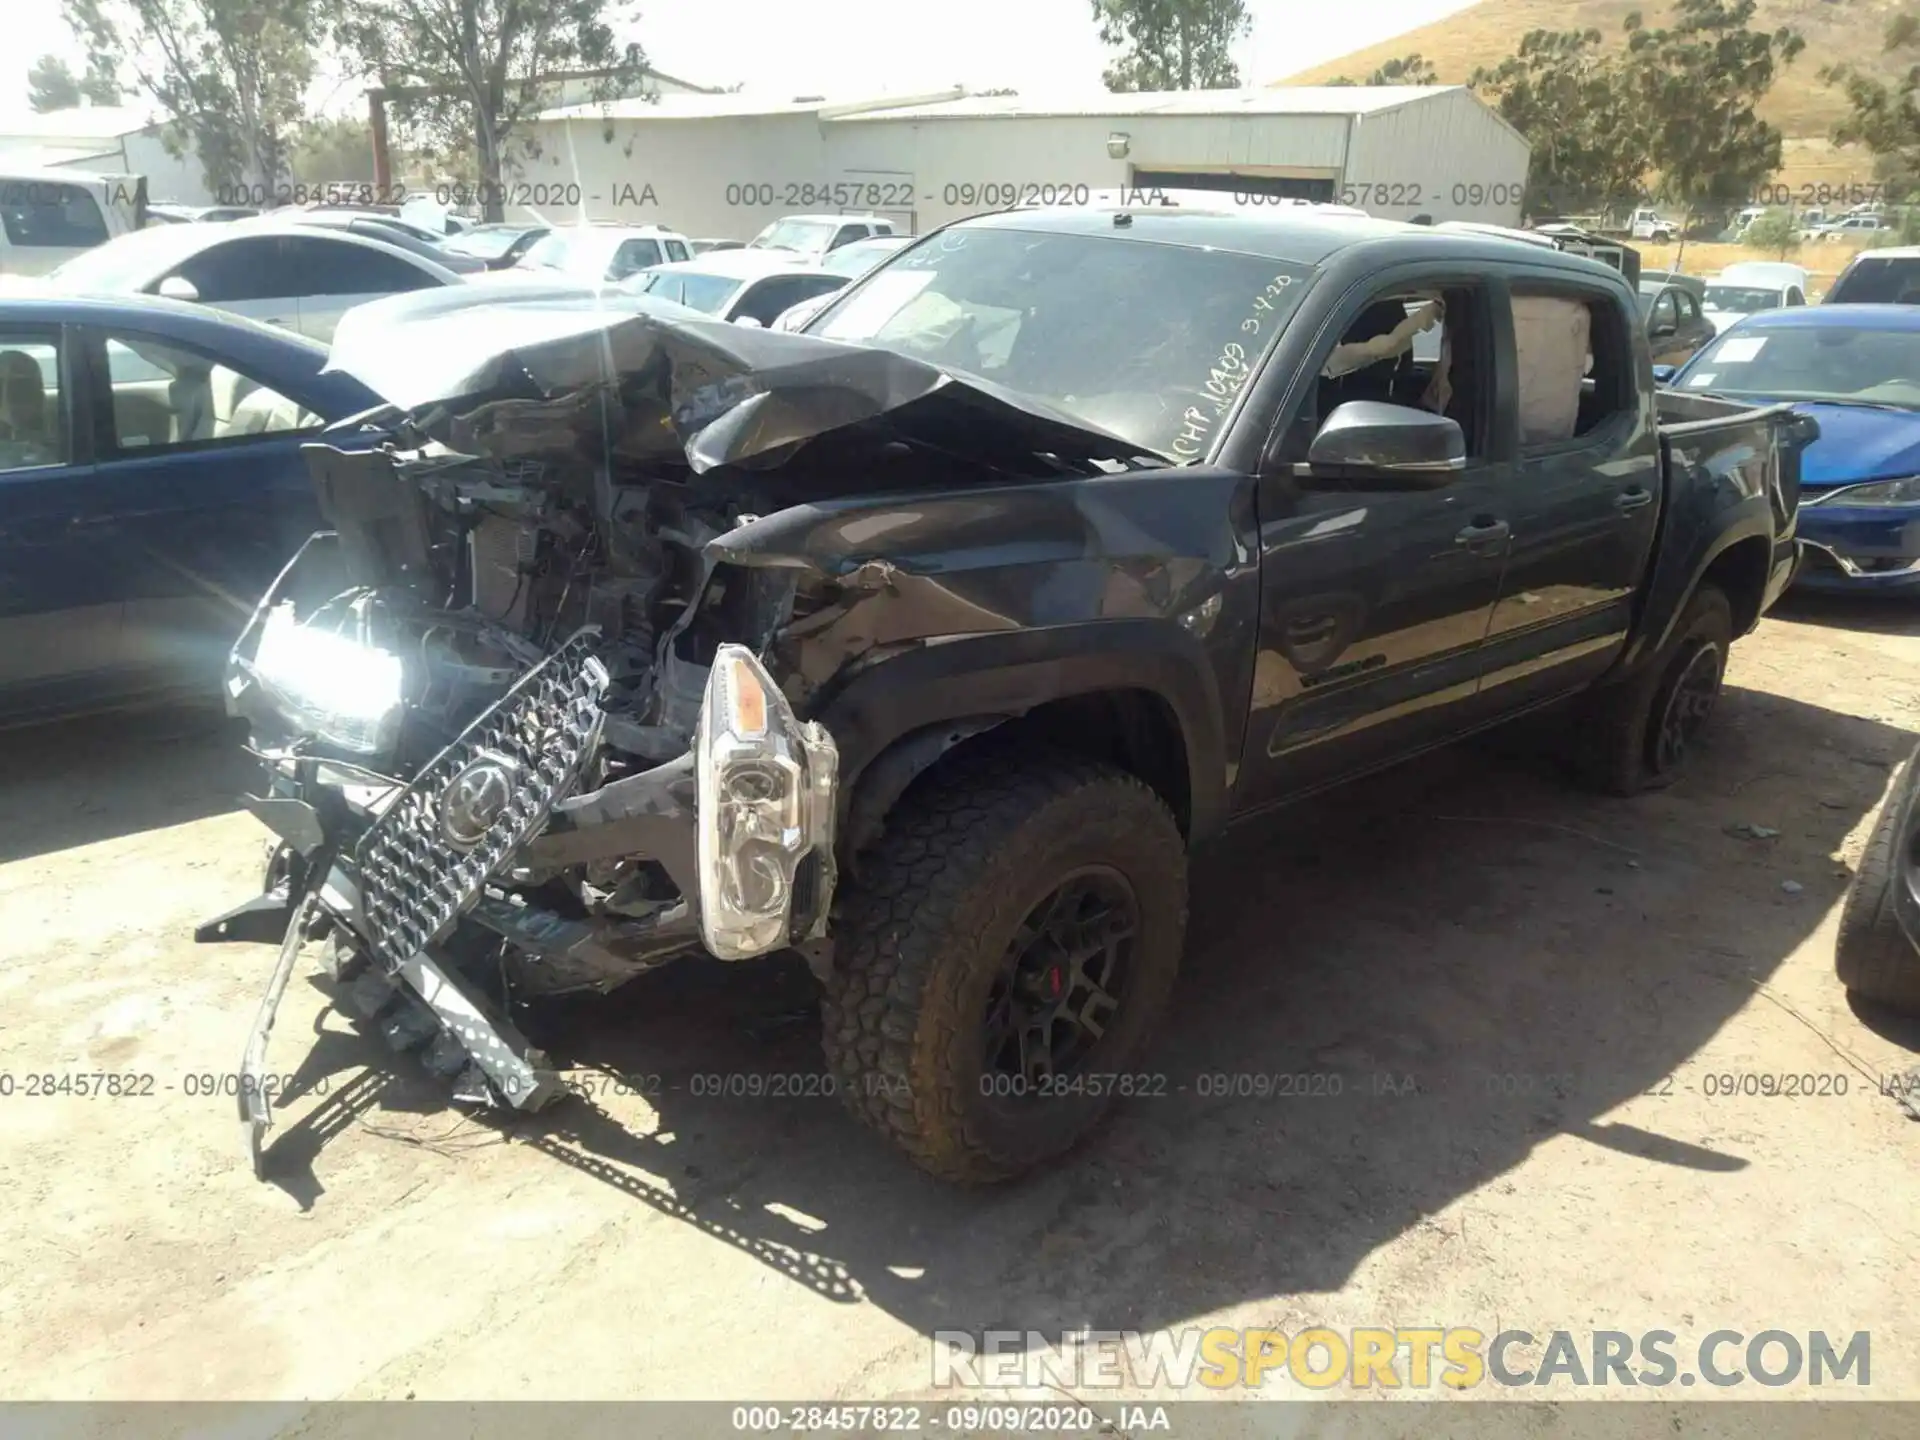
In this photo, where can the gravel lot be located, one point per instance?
(1465, 917)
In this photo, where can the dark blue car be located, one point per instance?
(1856, 368)
(151, 486)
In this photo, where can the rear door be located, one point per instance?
(1694, 329)
(1663, 328)
(251, 275)
(1582, 496)
(333, 274)
(60, 605)
(199, 466)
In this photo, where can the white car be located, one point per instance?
(299, 277)
(748, 287)
(596, 254)
(812, 236)
(856, 259)
(1752, 286)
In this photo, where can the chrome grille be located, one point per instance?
(414, 882)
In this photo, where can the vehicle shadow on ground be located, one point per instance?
(78, 782)
(1869, 614)
(1391, 996)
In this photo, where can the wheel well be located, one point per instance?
(1134, 730)
(1740, 573)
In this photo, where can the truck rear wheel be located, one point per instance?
(1638, 735)
(1873, 957)
(998, 972)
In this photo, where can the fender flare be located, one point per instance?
(927, 698)
(1673, 585)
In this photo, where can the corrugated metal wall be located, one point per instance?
(702, 177)
(729, 176)
(1449, 157)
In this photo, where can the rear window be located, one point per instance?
(47, 213)
(1876, 280)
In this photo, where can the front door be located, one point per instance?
(200, 467)
(1375, 594)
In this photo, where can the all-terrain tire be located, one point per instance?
(1619, 734)
(964, 860)
(1873, 957)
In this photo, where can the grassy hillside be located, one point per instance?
(1836, 31)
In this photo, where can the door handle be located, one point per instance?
(1483, 532)
(1630, 500)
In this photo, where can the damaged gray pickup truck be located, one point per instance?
(929, 641)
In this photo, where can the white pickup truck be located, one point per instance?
(1652, 225)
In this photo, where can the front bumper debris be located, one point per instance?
(256, 1111)
(418, 883)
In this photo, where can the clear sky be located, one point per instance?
(843, 47)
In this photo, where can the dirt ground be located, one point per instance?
(1468, 916)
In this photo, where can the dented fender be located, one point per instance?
(913, 611)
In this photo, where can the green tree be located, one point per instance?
(1775, 231)
(1405, 70)
(230, 75)
(1171, 44)
(1701, 79)
(52, 85)
(1885, 118)
(333, 148)
(1578, 105)
(482, 68)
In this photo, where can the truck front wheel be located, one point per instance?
(1637, 735)
(1002, 963)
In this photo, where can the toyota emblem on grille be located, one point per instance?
(475, 798)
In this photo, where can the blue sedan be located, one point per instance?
(1857, 369)
(151, 486)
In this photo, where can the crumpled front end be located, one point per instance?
(530, 718)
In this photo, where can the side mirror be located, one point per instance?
(1663, 373)
(1662, 332)
(749, 321)
(1369, 437)
(178, 287)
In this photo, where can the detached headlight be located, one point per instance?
(346, 693)
(767, 792)
(1880, 492)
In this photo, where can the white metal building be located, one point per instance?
(108, 139)
(725, 165)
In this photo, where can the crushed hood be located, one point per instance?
(518, 370)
